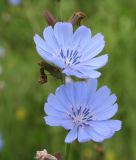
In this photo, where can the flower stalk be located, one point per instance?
(67, 150)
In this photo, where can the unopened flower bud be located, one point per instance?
(51, 20)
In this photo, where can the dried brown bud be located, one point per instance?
(54, 71)
(51, 20)
(42, 79)
(43, 76)
(43, 155)
(76, 18)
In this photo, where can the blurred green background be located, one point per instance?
(22, 98)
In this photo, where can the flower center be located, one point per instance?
(81, 116)
(70, 57)
(78, 119)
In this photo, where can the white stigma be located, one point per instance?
(78, 119)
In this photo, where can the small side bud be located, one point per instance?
(99, 149)
(51, 20)
(58, 156)
(77, 17)
(43, 155)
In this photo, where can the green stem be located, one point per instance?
(67, 149)
(58, 9)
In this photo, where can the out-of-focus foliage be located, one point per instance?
(22, 98)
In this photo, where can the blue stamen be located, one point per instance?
(71, 53)
(61, 53)
(79, 110)
(67, 52)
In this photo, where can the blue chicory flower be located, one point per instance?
(2, 52)
(73, 52)
(1, 70)
(14, 2)
(1, 142)
(83, 110)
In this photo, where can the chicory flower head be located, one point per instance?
(14, 2)
(83, 110)
(73, 52)
(2, 52)
(1, 142)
